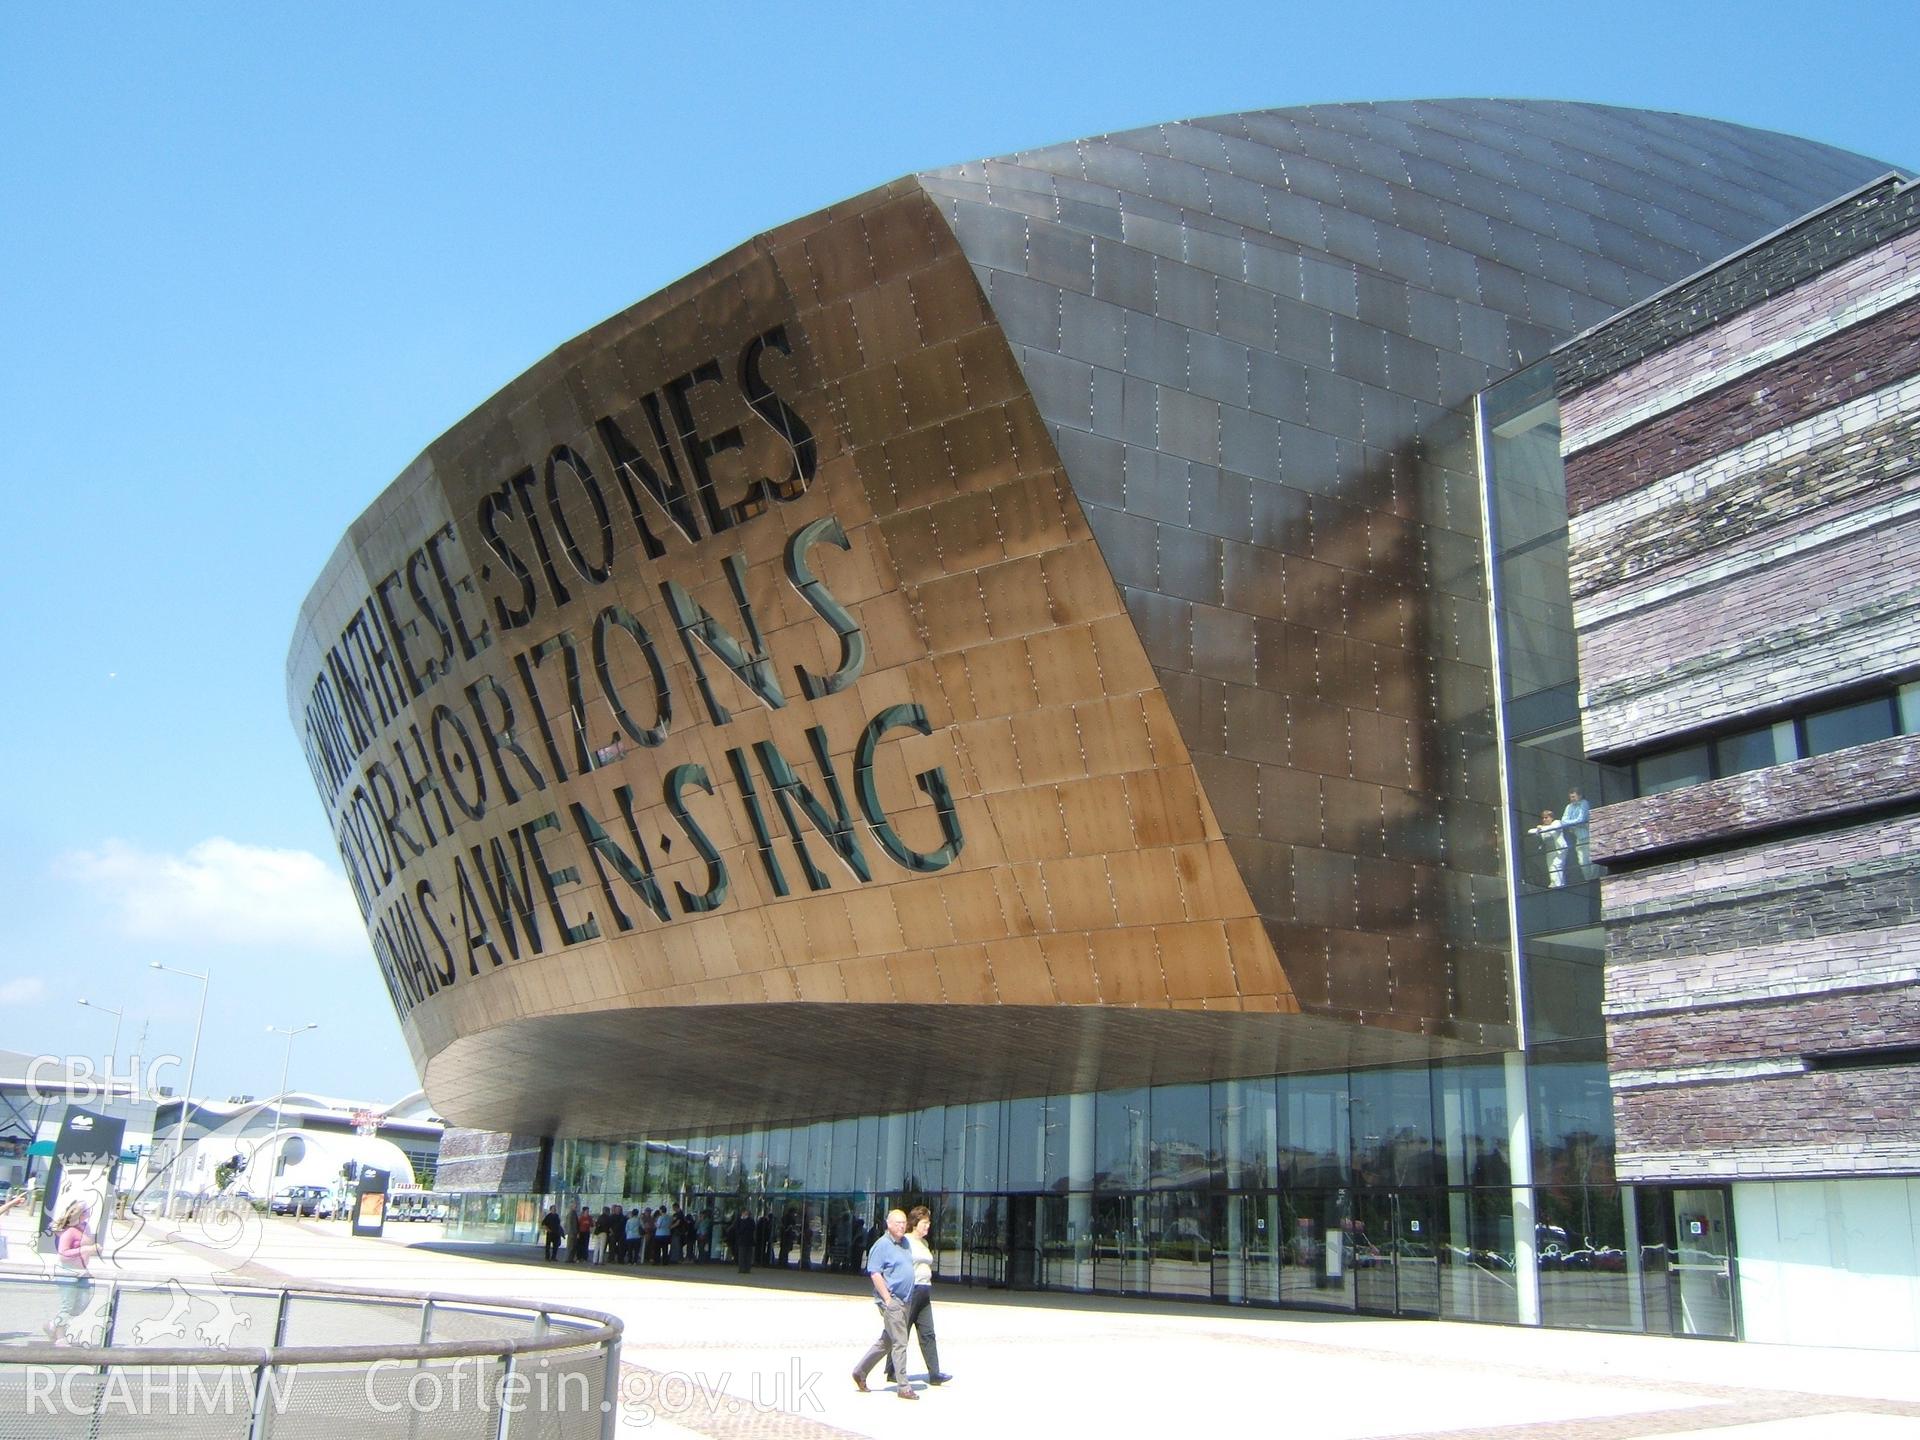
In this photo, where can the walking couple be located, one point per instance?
(900, 1264)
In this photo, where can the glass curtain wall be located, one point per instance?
(1584, 1224)
(1381, 1190)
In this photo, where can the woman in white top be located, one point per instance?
(920, 1308)
(1552, 835)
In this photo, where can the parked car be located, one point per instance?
(299, 1200)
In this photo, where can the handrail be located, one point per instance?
(599, 1328)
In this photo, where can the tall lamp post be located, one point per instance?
(280, 1100)
(113, 1059)
(186, 1099)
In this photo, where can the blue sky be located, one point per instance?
(254, 258)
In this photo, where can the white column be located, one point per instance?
(1080, 1186)
(1526, 1269)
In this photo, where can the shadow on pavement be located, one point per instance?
(825, 1282)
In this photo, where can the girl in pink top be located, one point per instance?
(76, 1245)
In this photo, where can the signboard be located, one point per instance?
(370, 1202)
(84, 1158)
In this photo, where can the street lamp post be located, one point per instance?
(280, 1100)
(113, 1059)
(186, 1099)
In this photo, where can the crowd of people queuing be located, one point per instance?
(673, 1234)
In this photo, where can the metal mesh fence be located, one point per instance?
(348, 1320)
(50, 1402)
(460, 1322)
(195, 1385)
(177, 1315)
(431, 1400)
(562, 1396)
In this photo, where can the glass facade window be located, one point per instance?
(1845, 726)
(1673, 769)
(1180, 1155)
(1820, 732)
(1121, 1135)
(1246, 1120)
(1544, 761)
(1036, 1151)
(1751, 750)
(1379, 1191)
(1026, 1143)
(1316, 1111)
(797, 1142)
(1474, 1128)
(926, 1165)
(982, 1143)
(819, 1156)
(1393, 1127)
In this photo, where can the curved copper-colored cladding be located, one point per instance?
(748, 714)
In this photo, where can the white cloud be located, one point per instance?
(28, 990)
(221, 892)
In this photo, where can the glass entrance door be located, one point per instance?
(1023, 1242)
(1396, 1252)
(1248, 1231)
(1701, 1275)
(1120, 1257)
(986, 1239)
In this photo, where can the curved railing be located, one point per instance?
(160, 1357)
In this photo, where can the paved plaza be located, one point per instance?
(708, 1352)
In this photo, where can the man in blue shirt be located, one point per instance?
(890, 1267)
(1573, 822)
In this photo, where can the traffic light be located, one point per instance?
(350, 1171)
(238, 1163)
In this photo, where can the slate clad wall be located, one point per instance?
(1820, 242)
(1744, 542)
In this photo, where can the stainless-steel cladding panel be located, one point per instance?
(1018, 630)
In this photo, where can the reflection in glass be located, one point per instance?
(1316, 1113)
(1246, 1131)
(1026, 1144)
(866, 1151)
(844, 1153)
(926, 1163)
(1749, 750)
(799, 1146)
(1848, 725)
(1180, 1242)
(1545, 761)
(1121, 1261)
(985, 1240)
(982, 1142)
(819, 1156)
(1393, 1127)
(1178, 1155)
(1672, 770)
(1572, 1115)
(1169, 1190)
(1120, 1140)
(1314, 1253)
(1587, 1278)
